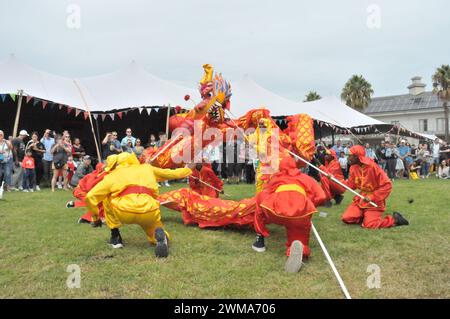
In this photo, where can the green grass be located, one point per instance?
(39, 238)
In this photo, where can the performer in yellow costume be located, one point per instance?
(128, 194)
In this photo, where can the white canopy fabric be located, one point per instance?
(247, 95)
(133, 87)
(129, 87)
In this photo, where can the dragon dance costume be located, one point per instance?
(129, 195)
(332, 189)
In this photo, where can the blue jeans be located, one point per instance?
(425, 168)
(29, 178)
(6, 172)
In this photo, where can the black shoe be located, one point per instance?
(338, 199)
(162, 243)
(399, 219)
(258, 245)
(116, 239)
(70, 204)
(83, 221)
(327, 204)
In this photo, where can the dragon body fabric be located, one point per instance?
(207, 123)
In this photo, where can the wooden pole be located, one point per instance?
(167, 121)
(19, 107)
(90, 120)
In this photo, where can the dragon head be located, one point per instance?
(216, 92)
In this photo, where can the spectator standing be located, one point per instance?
(128, 137)
(338, 148)
(427, 158)
(391, 160)
(19, 153)
(343, 162)
(370, 153)
(47, 159)
(60, 156)
(78, 151)
(111, 145)
(37, 150)
(29, 174)
(138, 148)
(5, 160)
(160, 143)
(435, 149)
(71, 167)
(381, 155)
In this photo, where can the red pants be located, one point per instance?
(296, 229)
(370, 217)
(331, 189)
(81, 195)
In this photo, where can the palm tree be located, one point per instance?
(312, 96)
(441, 87)
(357, 92)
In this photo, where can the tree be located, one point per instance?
(357, 92)
(312, 96)
(441, 87)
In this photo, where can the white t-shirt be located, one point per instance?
(343, 162)
(5, 151)
(436, 149)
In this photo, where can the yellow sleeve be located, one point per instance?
(168, 174)
(96, 196)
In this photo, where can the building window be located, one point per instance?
(423, 125)
(440, 125)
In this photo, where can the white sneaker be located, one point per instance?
(31, 190)
(59, 186)
(38, 188)
(20, 188)
(166, 183)
(295, 259)
(25, 190)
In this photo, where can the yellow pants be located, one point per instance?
(149, 221)
(413, 176)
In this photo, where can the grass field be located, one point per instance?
(39, 238)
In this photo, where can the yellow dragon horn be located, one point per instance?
(208, 76)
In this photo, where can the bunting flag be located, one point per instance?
(119, 114)
(29, 97)
(13, 96)
(86, 115)
(148, 111)
(69, 109)
(77, 112)
(140, 110)
(3, 96)
(60, 106)
(103, 117)
(156, 109)
(35, 101)
(111, 115)
(44, 104)
(95, 116)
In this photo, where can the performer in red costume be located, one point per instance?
(332, 189)
(84, 186)
(203, 173)
(289, 199)
(375, 186)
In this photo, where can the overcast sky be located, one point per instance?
(289, 47)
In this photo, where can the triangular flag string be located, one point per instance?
(3, 96)
(103, 117)
(77, 112)
(86, 115)
(44, 104)
(13, 97)
(28, 99)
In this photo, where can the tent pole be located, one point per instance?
(167, 121)
(19, 107)
(90, 120)
(332, 137)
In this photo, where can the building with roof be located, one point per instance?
(419, 111)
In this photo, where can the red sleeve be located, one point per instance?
(336, 171)
(194, 184)
(384, 185)
(211, 178)
(315, 192)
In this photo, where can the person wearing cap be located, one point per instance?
(129, 195)
(289, 198)
(83, 169)
(375, 187)
(18, 156)
(332, 189)
(203, 172)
